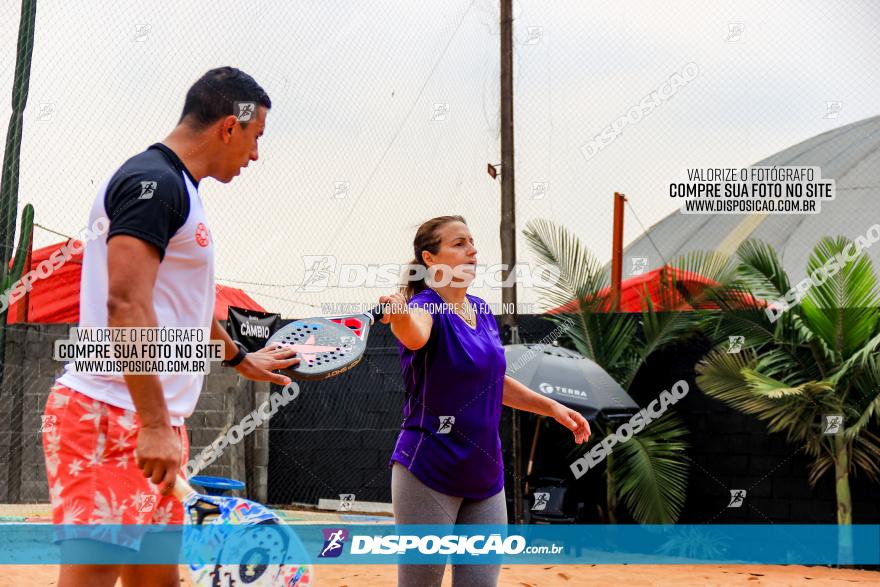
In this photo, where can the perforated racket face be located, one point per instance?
(265, 540)
(325, 346)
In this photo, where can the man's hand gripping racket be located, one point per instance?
(326, 346)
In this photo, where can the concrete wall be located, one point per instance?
(731, 450)
(29, 374)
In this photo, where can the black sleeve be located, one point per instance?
(149, 206)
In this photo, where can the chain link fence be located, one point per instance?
(385, 115)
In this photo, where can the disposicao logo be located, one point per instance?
(334, 540)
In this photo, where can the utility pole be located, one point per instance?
(508, 229)
(617, 251)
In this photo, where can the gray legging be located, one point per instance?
(416, 503)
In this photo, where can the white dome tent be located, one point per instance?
(850, 155)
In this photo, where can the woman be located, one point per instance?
(447, 466)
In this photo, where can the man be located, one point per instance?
(118, 441)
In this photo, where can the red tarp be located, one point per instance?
(636, 288)
(55, 300)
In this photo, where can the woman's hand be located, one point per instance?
(572, 420)
(394, 306)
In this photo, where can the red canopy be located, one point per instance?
(55, 300)
(232, 296)
(680, 285)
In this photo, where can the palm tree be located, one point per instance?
(649, 472)
(818, 360)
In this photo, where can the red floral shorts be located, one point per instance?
(93, 478)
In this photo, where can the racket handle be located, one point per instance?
(182, 489)
(376, 313)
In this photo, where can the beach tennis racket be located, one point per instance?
(326, 346)
(257, 546)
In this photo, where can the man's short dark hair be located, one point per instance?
(216, 94)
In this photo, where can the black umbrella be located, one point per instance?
(569, 378)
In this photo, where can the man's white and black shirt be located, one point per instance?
(153, 197)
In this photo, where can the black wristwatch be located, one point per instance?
(239, 356)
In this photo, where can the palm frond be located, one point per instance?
(750, 324)
(866, 455)
(607, 339)
(857, 361)
(766, 386)
(662, 328)
(843, 310)
(651, 472)
(864, 399)
(782, 363)
(795, 410)
(581, 276)
(821, 464)
(761, 271)
(709, 264)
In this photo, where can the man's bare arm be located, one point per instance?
(217, 333)
(132, 267)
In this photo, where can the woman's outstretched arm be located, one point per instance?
(411, 326)
(520, 397)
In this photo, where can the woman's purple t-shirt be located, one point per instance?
(449, 437)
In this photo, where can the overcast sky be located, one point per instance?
(354, 87)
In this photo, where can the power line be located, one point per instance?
(340, 225)
(646, 232)
(282, 299)
(47, 229)
(259, 283)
